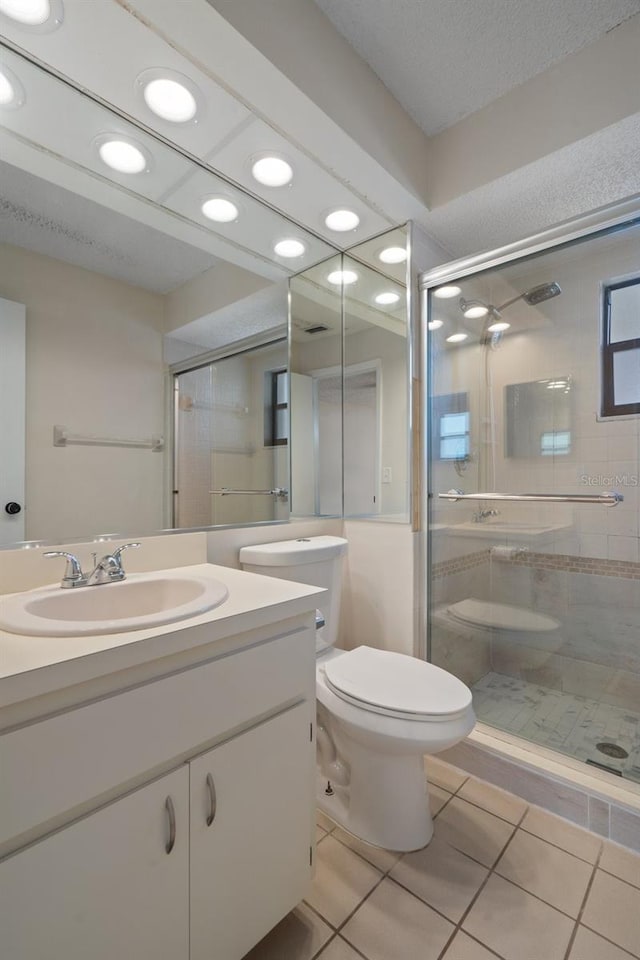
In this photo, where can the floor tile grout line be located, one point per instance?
(635, 956)
(634, 886)
(370, 862)
(355, 910)
(482, 886)
(583, 904)
(474, 899)
(557, 846)
(474, 803)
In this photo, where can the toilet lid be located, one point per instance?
(397, 683)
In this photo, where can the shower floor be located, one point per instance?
(562, 721)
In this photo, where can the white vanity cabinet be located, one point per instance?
(105, 886)
(251, 860)
(172, 820)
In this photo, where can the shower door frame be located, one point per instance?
(616, 216)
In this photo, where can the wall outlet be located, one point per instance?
(386, 474)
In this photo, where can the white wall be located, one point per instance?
(378, 602)
(94, 365)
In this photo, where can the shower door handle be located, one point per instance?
(611, 499)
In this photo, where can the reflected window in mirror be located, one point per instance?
(276, 408)
(621, 349)
(451, 423)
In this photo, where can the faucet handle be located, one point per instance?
(125, 546)
(73, 571)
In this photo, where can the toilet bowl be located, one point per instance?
(379, 712)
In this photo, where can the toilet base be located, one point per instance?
(386, 806)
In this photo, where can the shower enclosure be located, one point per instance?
(534, 480)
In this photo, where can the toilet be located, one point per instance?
(378, 712)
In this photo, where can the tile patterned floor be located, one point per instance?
(500, 879)
(562, 721)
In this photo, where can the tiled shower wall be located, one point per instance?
(594, 653)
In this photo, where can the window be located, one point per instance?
(451, 426)
(621, 349)
(276, 408)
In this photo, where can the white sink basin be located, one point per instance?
(137, 603)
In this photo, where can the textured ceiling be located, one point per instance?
(48, 219)
(445, 59)
(596, 171)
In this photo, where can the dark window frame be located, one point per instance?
(609, 350)
(271, 407)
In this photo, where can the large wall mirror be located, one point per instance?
(142, 320)
(144, 369)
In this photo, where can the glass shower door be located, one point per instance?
(534, 479)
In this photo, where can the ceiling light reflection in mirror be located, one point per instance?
(37, 15)
(11, 90)
(170, 95)
(67, 152)
(272, 171)
(342, 221)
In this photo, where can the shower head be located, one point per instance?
(544, 291)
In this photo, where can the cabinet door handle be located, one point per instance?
(213, 803)
(171, 814)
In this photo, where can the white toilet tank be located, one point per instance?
(313, 560)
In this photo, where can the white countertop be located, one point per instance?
(33, 666)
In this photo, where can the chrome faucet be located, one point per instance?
(481, 515)
(108, 569)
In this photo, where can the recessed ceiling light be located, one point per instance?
(289, 248)
(342, 277)
(272, 171)
(387, 298)
(342, 220)
(393, 255)
(498, 326)
(220, 209)
(435, 324)
(170, 96)
(11, 92)
(457, 337)
(445, 293)
(37, 14)
(122, 155)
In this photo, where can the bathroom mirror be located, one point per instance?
(126, 284)
(538, 418)
(350, 384)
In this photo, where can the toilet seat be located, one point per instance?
(397, 685)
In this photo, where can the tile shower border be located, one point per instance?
(621, 569)
(447, 568)
(568, 563)
(587, 798)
